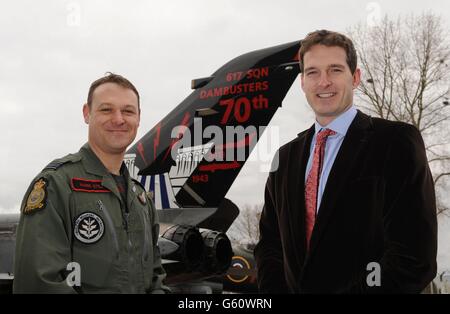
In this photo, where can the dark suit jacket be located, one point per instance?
(378, 206)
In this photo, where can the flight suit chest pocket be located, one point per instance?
(95, 239)
(145, 235)
(142, 225)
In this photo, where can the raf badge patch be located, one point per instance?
(89, 228)
(37, 198)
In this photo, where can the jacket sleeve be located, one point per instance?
(42, 246)
(268, 251)
(159, 274)
(409, 218)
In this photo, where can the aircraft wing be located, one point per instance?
(8, 226)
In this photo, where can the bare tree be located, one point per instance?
(245, 229)
(406, 77)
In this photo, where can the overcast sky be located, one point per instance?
(51, 51)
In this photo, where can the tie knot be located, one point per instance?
(323, 135)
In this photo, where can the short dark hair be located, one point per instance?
(329, 39)
(111, 78)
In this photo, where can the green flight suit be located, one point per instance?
(73, 212)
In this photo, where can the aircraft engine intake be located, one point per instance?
(218, 251)
(191, 248)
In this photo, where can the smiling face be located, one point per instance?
(328, 82)
(113, 119)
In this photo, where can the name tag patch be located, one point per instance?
(90, 186)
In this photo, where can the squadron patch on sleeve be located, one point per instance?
(89, 228)
(37, 198)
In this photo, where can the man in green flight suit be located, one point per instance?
(85, 225)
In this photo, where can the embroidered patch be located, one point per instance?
(142, 198)
(37, 198)
(91, 186)
(89, 228)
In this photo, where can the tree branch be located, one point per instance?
(441, 176)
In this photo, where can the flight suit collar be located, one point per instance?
(93, 165)
(91, 162)
(131, 186)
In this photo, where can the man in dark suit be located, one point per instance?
(350, 207)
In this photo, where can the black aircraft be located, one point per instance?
(189, 161)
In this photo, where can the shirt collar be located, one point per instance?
(341, 124)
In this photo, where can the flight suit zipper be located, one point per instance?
(131, 261)
(125, 221)
(126, 226)
(102, 208)
(146, 230)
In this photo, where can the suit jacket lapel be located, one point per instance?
(296, 188)
(351, 147)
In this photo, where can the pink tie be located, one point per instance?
(312, 182)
